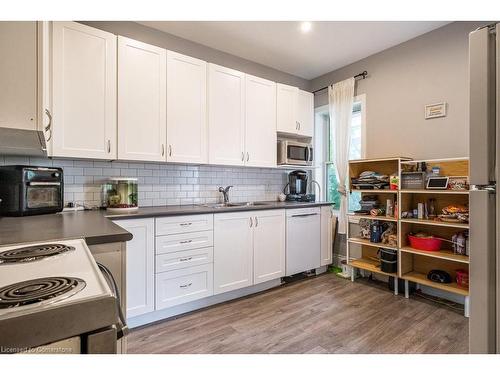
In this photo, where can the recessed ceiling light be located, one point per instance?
(305, 27)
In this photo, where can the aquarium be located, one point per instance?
(120, 194)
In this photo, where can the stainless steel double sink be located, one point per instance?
(237, 204)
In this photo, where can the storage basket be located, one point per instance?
(425, 243)
(412, 180)
(388, 260)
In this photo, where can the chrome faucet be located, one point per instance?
(225, 192)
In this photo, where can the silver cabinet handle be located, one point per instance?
(251, 222)
(185, 259)
(296, 125)
(169, 150)
(109, 146)
(185, 224)
(256, 222)
(186, 241)
(248, 156)
(242, 156)
(303, 215)
(185, 285)
(162, 149)
(48, 128)
(299, 125)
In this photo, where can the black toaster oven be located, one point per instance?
(26, 190)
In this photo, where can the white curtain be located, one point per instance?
(340, 100)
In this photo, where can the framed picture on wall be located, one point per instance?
(435, 110)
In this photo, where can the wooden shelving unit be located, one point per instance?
(413, 264)
(361, 253)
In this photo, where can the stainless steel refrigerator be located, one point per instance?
(484, 75)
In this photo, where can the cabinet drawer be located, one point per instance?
(184, 224)
(185, 285)
(184, 259)
(184, 241)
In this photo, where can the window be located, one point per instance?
(324, 147)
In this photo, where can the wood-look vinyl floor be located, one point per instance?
(324, 314)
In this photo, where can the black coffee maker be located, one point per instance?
(297, 187)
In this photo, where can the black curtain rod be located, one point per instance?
(361, 75)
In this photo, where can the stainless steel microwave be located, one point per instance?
(295, 153)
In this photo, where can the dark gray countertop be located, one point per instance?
(93, 226)
(96, 227)
(197, 209)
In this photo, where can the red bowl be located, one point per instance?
(427, 244)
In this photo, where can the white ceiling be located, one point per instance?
(328, 46)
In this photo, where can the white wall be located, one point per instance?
(401, 81)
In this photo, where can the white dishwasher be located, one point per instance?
(303, 245)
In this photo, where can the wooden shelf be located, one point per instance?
(422, 279)
(362, 241)
(369, 265)
(442, 254)
(436, 223)
(374, 191)
(375, 160)
(445, 160)
(371, 217)
(429, 191)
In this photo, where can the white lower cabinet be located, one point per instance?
(249, 248)
(269, 246)
(183, 285)
(327, 227)
(184, 259)
(140, 266)
(233, 251)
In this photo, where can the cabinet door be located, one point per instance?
(84, 91)
(140, 266)
(226, 115)
(18, 75)
(260, 122)
(327, 222)
(142, 89)
(305, 113)
(186, 109)
(286, 108)
(269, 246)
(233, 251)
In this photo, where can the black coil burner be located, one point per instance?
(32, 253)
(29, 292)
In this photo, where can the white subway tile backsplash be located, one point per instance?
(160, 183)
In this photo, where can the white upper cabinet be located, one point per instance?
(295, 111)
(286, 107)
(268, 246)
(142, 89)
(305, 113)
(18, 75)
(186, 109)
(226, 116)
(260, 122)
(84, 91)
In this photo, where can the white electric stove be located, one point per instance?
(46, 287)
